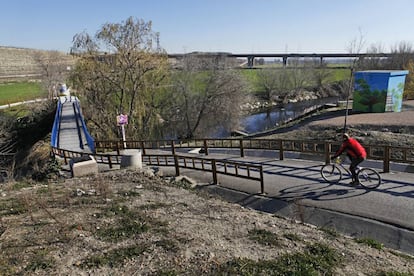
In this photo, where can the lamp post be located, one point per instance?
(347, 98)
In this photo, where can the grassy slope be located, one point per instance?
(20, 91)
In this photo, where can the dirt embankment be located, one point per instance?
(132, 223)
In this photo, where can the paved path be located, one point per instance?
(20, 103)
(296, 179)
(385, 214)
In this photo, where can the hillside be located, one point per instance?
(23, 63)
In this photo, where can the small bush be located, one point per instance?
(128, 224)
(370, 242)
(292, 237)
(330, 232)
(264, 237)
(40, 261)
(318, 259)
(114, 257)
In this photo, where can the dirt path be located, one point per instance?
(387, 119)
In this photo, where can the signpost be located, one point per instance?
(122, 120)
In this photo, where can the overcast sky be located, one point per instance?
(236, 26)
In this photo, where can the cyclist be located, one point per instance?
(355, 152)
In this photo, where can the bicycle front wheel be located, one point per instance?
(331, 173)
(369, 178)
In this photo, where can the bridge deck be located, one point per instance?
(70, 135)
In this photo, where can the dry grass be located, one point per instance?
(124, 223)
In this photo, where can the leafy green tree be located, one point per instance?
(121, 70)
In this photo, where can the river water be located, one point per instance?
(272, 117)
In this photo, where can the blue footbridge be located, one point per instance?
(69, 130)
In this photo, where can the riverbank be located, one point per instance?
(391, 128)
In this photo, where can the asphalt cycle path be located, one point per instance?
(295, 188)
(292, 180)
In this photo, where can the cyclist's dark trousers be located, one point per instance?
(354, 164)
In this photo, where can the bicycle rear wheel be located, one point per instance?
(331, 173)
(369, 178)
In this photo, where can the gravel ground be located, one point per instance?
(387, 119)
(77, 227)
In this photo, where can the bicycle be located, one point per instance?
(333, 173)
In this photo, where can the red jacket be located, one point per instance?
(353, 148)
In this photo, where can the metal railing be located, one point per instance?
(89, 140)
(56, 126)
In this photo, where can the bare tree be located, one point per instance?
(121, 69)
(403, 53)
(204, 96)
(300, 76)
(54, 68)
(374, 63)
(274, 83)
(319, 72)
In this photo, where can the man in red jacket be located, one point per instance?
(355, 152)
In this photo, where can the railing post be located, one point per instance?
(327, 152)
(172, 147)
(205, 147)
(386, 165)
(281, 153)
(177, 166)
(143, 147)
(65, 158)
(261, 181)
(241, 148)
(117, 147)
(109, 161)
(214, 171)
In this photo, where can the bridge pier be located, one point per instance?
(250, 61)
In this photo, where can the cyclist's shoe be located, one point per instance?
(354, 183)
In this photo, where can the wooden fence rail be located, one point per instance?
(324, 149)
(236, 169)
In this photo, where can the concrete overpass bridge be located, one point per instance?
(321, 57)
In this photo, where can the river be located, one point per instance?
(271, 117)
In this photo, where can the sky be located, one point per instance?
(235, 26)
